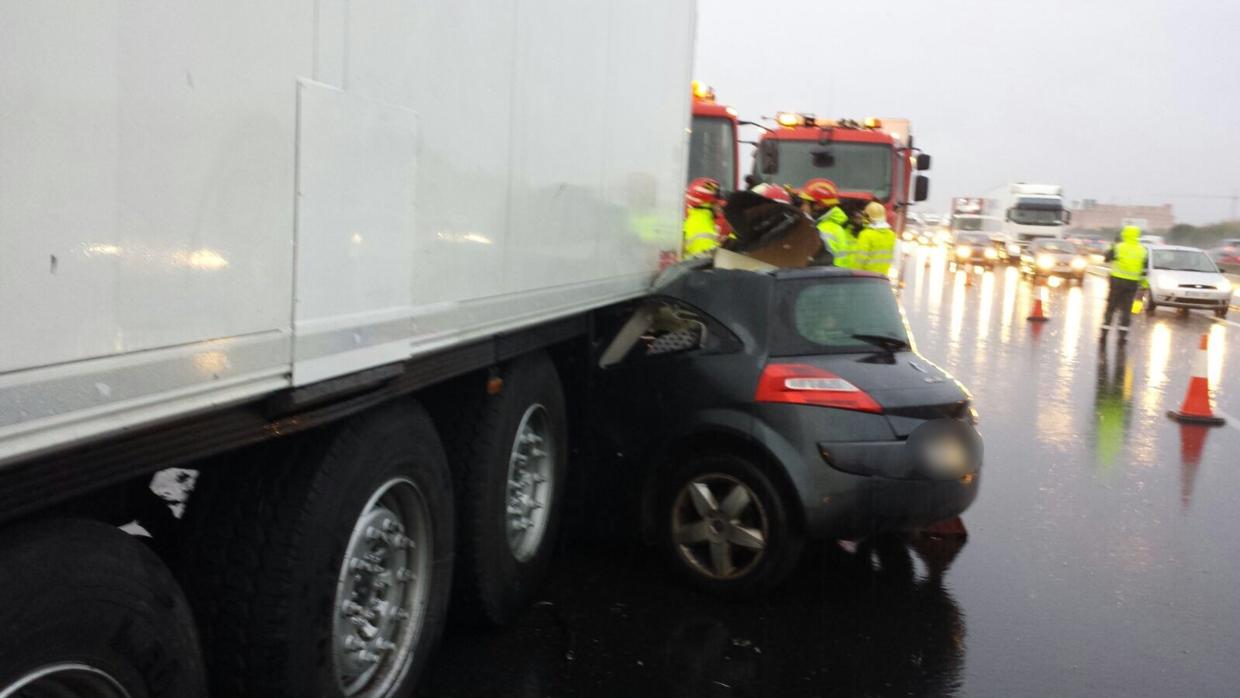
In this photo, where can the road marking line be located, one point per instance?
(1231, 421)
(1229, 322)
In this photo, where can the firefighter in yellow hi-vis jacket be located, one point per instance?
(701, 232)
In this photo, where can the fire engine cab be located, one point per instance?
(873, 157)
(713, 134)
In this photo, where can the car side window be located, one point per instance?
(680, 328)
(667, 327)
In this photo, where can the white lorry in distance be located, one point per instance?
(1027, 212)
(341, 260)
(967, 217)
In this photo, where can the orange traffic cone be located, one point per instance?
(1039, 313)
(968, 277)
(1196, 407)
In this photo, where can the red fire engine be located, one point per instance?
(873, 157)
(713, 145)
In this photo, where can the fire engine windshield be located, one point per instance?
(864, 167)
(712, 150)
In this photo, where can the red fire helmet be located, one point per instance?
(774, 192)
(702, 191)
(821, 191)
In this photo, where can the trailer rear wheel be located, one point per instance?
(323, 567)
(509, 454)
(89, 611)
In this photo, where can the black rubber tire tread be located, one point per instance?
(492, 587)
(785, 539)
(264, 538)
(75, 589)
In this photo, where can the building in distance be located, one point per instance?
(1091, 215)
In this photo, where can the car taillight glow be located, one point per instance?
(802, 384)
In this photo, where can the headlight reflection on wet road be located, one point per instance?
(1218, 342)
(1156, 369)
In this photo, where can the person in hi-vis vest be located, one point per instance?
(701, 232)
(1127, 258)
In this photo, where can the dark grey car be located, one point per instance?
(776, 406)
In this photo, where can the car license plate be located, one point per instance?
(1196, 294)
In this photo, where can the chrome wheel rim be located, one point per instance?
(719, 526)
(530, 486)
(382, 591)
(68, 679)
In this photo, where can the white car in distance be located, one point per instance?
(1186, 277)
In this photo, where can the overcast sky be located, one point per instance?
(1124, 101)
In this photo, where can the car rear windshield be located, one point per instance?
(823, 316)
(1061, 247)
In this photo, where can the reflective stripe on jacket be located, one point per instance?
(1129, 256)
(700, 233)
(878, 249)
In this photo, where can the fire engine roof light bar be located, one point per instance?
(789, 119)
(702, 91)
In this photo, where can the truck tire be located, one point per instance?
(89, 611)
(322, 567)
(725, 527)
(509, 455)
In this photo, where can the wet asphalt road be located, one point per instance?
(1102, 557)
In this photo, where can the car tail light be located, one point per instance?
(807, 385)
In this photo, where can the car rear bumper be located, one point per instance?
(1058, 271)
(976, 261)
(849, 487)
(876, 504)
(892, 485)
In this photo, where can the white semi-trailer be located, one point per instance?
(339, 258)
(1028, 212)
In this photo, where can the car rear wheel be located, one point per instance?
(726, 527)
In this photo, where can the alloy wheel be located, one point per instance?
(719, 526)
